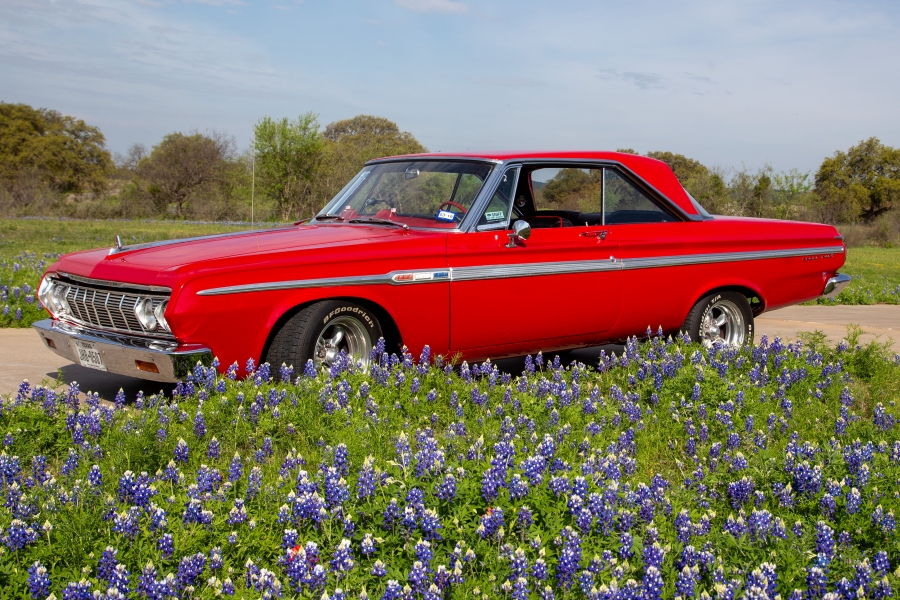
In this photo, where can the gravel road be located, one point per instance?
(23, 355)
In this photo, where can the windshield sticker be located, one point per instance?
(445, 215)
(496, 215)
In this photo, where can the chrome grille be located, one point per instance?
(112, 310)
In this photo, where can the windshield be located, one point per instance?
(415, 193)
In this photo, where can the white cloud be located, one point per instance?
(642, 80)
(434, 6)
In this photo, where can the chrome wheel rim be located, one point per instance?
(724, 322)
(342, 334)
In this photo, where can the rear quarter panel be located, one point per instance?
(662, 296)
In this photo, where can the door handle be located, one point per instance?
(599, 234)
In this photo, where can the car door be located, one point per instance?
(562, 283)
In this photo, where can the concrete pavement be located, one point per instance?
(24, 356)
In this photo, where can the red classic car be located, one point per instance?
(485, 255)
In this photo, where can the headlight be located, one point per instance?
(52, 296)
(160, 313)
(143, 310)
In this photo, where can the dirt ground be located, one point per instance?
(24, 356)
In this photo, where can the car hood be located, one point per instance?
(149, 263)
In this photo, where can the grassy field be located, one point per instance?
(876, 277)
(27, 246)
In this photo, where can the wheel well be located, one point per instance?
(757, 304)
(392, 339)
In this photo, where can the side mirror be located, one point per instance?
(521, 232)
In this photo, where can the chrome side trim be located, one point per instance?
(835, 285)
(698, 259)
(520, 270)
(534, 269)
(116, 284)
(213, 236)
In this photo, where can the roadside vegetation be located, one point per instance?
(56, 165)
(669, 471)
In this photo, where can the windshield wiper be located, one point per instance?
(376, 221)
(336, 217)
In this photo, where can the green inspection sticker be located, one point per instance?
(495, 215)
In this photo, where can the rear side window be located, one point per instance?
(577, 190)
(625, 203)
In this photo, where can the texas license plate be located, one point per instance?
(89, 355)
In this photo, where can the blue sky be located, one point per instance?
(727, 83)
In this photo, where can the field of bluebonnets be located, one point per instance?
(671, 470)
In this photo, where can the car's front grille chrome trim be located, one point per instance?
(523, 270)
(107, 310)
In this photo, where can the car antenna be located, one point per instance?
(118, 243)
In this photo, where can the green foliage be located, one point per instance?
(876, 277)
(59, 150)
(288, 155)
(862, 183)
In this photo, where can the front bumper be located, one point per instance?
(123, 354)
(834, 285)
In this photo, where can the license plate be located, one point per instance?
(89, 355)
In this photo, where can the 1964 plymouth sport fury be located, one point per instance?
(486, 255)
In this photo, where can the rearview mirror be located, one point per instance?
(411, 173)
(521, 232)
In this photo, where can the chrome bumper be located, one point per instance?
(834, 285)
(122, 354)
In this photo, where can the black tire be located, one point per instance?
(731, 307)
(295, 342)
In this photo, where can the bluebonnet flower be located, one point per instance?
(212, 449)
(199, 424)
(38, 581)
(379, 569)
(825, 541)
(236, 469)
(491, 523)
(78, 591)
(126, 522)
(95, 478)
(165, 544)
(181, 451)
(342, 559)
(446, 489)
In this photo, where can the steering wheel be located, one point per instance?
(454, 204)
(373, 201)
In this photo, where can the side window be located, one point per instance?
(497, 213)
(625, 203)
(574, 190)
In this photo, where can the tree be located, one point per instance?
(351, 142)
(684, 168)
(287, 155)
(182, 165)
(862, 183)
(62, 151)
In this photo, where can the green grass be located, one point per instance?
(876, 277)
(28, 246)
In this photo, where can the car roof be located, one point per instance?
(654, 172)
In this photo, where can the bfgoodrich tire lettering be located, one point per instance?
(720, 316)
(321, 331)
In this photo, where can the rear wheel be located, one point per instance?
(320, 332)
(721, 316)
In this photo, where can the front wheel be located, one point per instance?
(720, 316)
(321, 331)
